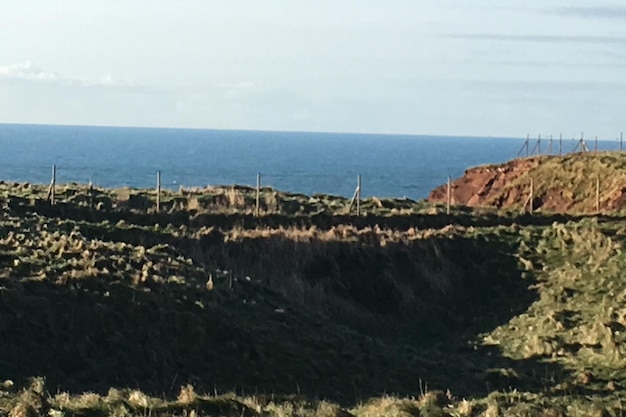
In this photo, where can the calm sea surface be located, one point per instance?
(390, 165)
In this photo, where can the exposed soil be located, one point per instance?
(480, 184)
(565, 184)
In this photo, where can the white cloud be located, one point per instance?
(431, 66)
(26, 71)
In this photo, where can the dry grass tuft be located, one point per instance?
(463, 409)
(193, 203)
(138, 399)
(22, 409)
(187, 395)
(389, 406)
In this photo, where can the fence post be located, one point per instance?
(90, 191)
(581, 144)
(539, 145)
(158, 192)
(527, 144)
(532, 192)
(597, 194)
(595, 146)
(53, 182)
(621, 138)
(257, 210)
(560, 144)
(449, 196)
(358, 196)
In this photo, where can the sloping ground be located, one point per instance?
(564, 184)
(462, 321)
(579, 319)
(91, 307)
(91, 314)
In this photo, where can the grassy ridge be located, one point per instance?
(569, 182)
(217, 199)
(562, 184)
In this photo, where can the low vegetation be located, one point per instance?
(214, 199)
(118, 310)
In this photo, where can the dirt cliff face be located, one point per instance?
(487, 185)
(480, 185)
(570, 183)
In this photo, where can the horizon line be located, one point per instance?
(322, 132)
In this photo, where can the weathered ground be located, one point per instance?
(562, 184)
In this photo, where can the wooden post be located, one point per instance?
(257, 210)
(353, 200)
(597, 194)
(358, 196)
(53, 184)
(90, 190)
(595, 147)
(449, 196)
(539, 145)
(582, 141)
(158, 192)
(527, 144)
(561, 144)
(532, 192)
(581, 144)
(621, 139)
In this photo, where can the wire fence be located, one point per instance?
(531, 193)
(55, 194)
(541, 146)
(404, 168)
(414, 183)
(549, 145)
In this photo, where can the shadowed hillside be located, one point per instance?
(513, 317)
(93, 312)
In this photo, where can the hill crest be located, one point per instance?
(573, 183)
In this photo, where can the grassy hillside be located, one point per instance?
(505, 316)
(565, 184)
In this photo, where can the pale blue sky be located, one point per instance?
(458, 67)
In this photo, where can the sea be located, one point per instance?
(300, 162)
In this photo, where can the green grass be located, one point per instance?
(513, 316)
(579, 319)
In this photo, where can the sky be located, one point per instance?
(440, 67)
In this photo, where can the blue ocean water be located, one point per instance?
(390, 165)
